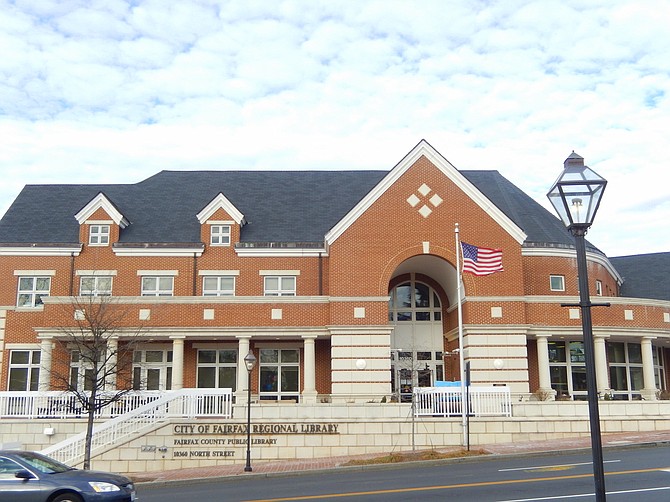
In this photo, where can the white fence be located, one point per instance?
(446, 401)
(172, 404)
(58, 404)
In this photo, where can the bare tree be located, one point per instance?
(101, 342)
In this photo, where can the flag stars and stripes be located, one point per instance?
(481, 261)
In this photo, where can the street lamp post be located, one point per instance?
(250, 362)
(576, 196)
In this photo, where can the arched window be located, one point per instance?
(414, 301)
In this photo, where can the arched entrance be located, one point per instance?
(417, 343)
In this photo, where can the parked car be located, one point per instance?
(27, 476)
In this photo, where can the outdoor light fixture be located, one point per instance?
(250, 362)
(576, 196)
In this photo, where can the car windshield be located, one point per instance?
(44, 464)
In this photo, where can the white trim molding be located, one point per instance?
(101, 201)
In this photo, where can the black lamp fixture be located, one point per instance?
(576, 196)
(249, 362)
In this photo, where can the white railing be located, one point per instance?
(59, 404)
(446, 401)
(185, 403)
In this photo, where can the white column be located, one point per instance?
(46, 349)
(649, 379)
(543, 364)
(177, 362)
(600, 358)
(111, 370)
(309, 389)
(242, 373)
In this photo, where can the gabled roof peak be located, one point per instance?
(101, 201)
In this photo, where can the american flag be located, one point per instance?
(481, 261)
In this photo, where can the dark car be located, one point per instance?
(26, 476)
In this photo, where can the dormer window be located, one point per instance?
(98, 235)
(220, 235)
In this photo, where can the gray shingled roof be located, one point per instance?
(644, 276)
(279, 206)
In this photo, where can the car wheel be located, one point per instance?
(67, 497)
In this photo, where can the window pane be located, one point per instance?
(165, 283)
(207, 356)
(18, 379)
(227, 283)
(26, 283)
(559, 379)
(556, 283)
(269, 379)
(227, 378)
(557, 352)
(206, 378)
(636, 379)
(289, 356)
(616, 353)
(635, 353)
(209, 284)
(289, 379)
(577, 352)
(25, 300)
(42, 284)
(20, 357)
(269, 356)
(36, 356)
(423, 356)
(402, 296)
(153, 379)
(421, 295)
(149, 283)
(618, 378)
(34, 379)
(154, 356)
(288, 283)
(436, 301)
(579, 378)
(228, 356)
(423, 316)
(272, 283)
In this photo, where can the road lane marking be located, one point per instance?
(582, 495)
(554, 466)
(451, 487)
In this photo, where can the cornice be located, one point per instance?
(41, 250)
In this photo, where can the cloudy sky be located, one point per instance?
(113, 91)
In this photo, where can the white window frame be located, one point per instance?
(557, 277)
(277, 390)
(98, 234)
(35, 295)
(599, 288)
(159, 289)
(32, 368)
(96, 290)
(284, 286)
(220, 235)
(142, 367)
(218, 290)
(218, 365)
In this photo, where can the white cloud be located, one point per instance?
(114, 91)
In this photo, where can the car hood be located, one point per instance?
(85, 476)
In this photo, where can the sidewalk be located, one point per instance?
(299, 465)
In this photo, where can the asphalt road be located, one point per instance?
(641, 474)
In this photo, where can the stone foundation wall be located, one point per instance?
(325, 430)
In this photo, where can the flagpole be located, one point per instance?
(461, 357)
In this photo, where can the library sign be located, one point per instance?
(216, 440)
